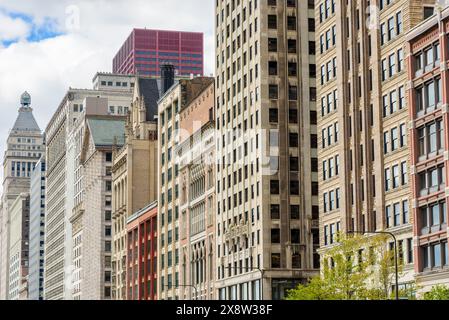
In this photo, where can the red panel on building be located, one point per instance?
(142, 254)
(145, 50)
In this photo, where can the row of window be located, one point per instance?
(331, 167)
(392, 64)
(435, 255)
(328, 71)
(395, 138)
(328, 39)
(432, 180)
(431, 138)
(329, 103)
(397, 214)
(391, 29)
(330, 233)
(427, 59)
(433, 217)
(428, 96)
(331, 200)
(329, 135)
(393, 101)
(326, 9)
(294, 236)
(396, 176)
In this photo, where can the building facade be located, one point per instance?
(170, 105)
(19, 247)
(363, 120)
(134, 173)
(428, 97)
(145, 51)
(195, 156)
(267, 190)
(141, 245)
(24, 148)
(37, 232)
(92, 214)
(64, 176)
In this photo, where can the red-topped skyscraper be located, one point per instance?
(145, 50)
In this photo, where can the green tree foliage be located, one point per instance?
(438, 292)
(357, 268)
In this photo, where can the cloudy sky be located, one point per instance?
(47, 46)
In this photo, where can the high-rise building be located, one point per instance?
(195, 157)
(37, 232)
(363, 120)
(172, 281)
(91, 215)
(24, 148)
(145, 51)
(134, 174)
(141, 262)
(65, 174)
(428, 98)
(267, 190)
(19, 219)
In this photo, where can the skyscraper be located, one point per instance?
(363, 120)
(267, 191)
(24, 148)
(145, 51)
(65, 174)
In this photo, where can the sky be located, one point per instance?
(47, 46)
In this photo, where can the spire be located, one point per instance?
(25, 120)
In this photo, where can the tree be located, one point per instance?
(343, 276)
(438, 292)
(316, 289)
(356, 268)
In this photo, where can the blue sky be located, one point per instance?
(47, 46)
(38, 31)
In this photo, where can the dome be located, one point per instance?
(25, 99)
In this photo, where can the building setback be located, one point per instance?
(24, 148)
(141, 244)
(267, 204)
(37, 232)
(195, 157)
(363, 118)
(428, 97)
(145, 51)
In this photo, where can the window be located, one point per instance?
(275, 236)
(275, 211)
(275, 260)
(274, 186)
(294, 212)
(295, 236)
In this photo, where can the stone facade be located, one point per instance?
(267, 191)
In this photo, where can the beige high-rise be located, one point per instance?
(267, 190)
(134, 174)
(179, 253)
(363, 119)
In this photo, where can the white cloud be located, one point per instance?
(47, 68)
(12, 28)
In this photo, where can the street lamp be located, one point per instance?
(185, 285)
(252, 269)
(395, 254)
